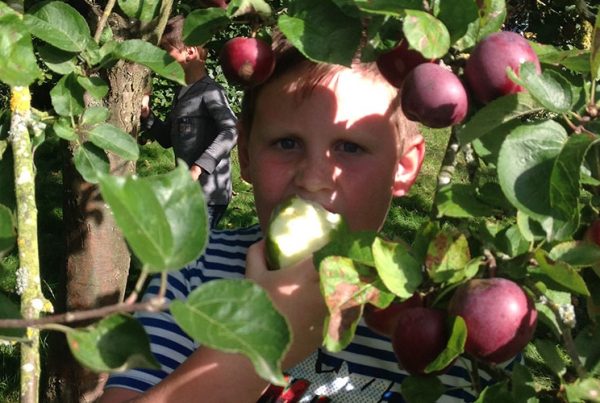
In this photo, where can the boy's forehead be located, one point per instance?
(356, 93)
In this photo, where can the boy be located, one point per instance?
(330, 134)
(201, 127)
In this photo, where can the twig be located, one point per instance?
(107, 10)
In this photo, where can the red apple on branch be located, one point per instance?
(421, 334)
(434, 96)
(383, 321)
(246, 61)
(485, 70)
(395, 64)
(499, 315)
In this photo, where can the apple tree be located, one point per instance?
(525, 118)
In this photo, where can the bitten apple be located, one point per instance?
(434, 96)
(421, 334)
(499, 315)
(246, 61)
(485, 70)
(383, 321)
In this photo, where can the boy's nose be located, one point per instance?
(317, 173)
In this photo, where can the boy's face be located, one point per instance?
(335, 146)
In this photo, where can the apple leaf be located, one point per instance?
(422, 389)
(114, 344)
(237, 316)
(309, 21)
(143, 10)
(388, 7)
(71, 34)
(354, 245)
(94, 115)
(559, 273)
(426, 34)
(550, 89)
(91, 161)
(461, 200)
(398, 270)
(67, 96)
(587, 389)
(551, 357)
(62, 128)
(201, 24)
(17, 60)
(576, 253)
(153, 57)
(496, 113)
(456, 16)
(238, 8)
(447, 257)
(495, 393)
(113, 139)
(492, 14)
(523, 383)
(454, 347)
(8, 235)
(587, 343)
(162, 217)
(577, 60)
(96, 86)
(346, 287)
(9, 310)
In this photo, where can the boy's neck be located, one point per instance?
(195, 74)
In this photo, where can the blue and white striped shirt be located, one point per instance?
(365, 371)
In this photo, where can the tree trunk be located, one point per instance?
(98, 259)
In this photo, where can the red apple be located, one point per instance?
(395, 64)
(247, 61)
(420, 336)
(434, 96)
(485, 70)
(213, 3)
(383, 320)
(500, 318)
(592, 234)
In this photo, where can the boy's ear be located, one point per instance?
(409, 165)
(243, 156)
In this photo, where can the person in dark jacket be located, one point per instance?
(201, 126)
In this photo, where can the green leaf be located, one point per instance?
(60, 25)
(9, 310)
(577, 60)
(595, 50)
(561, 274)
(346, 287)
(388, 7)
(461, 201)
(153, 57)
(238, 8)
(456, 16)
(447, 256)
(94, 115)
(587, 344)
(201, 24)
(96, 86)
(143, 10)
(454, 347)
(17, 60)
(511, 241)
(492, 15)
(587, 389)
(422, 389)
(91, 161)
(114, 344)
(67, 96)
(237, 316)
(58, 60)
(496, 393)
(398, 270)
(551, 356)
(550, 89)
(566, 174)
(113, 139)
(496, 113)
(162, 217)
(309, 21)
(545, 314)
(523, 384)
(426, 34)
(525, 166)
(354, 245)
(576, 253)
(62, 128)
(8, 235)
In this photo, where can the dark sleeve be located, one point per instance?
(225, 126)
(155, 128)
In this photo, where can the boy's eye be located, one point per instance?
(349, 147)
(287, 143)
